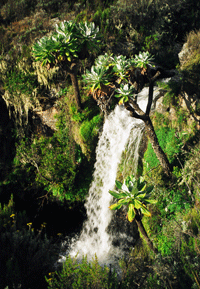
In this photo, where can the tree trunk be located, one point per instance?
(73, 74)
(156, 147)
(143, 232)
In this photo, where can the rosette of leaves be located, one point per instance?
(65, 28)
(55, 48)
(65, 47)
(135, 194)
(87, 34)
(121, 66)
(104, 61)
(125, 92)
(44, 50)
(97, 77)
(84, 34)
(142, 60)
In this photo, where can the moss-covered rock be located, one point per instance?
(190, 63)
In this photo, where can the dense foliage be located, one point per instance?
(47, 158)
(76, 274)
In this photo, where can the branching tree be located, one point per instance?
(117, 74)
(64, 47)
(129, 98)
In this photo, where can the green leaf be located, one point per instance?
(124, 201)
(121, 100)
(151, 201)
(141, 186)
(149, 189)
(134, 190)
(115, 194)
(115, 206)
(145, 211)
(118, 184)
(131, 213)
(141, 196)
(137, 204)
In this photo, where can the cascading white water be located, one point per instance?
(120, 130)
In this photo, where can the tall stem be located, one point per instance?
(156, 147)
(73, 74)
(136, 112)
(143, 232)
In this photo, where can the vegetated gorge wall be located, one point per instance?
(44, 121)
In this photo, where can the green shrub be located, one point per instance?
(189, 255)
(25, 256)
(167, 222)
(20, 94)
(173, 136)
(89, 129)
(192, 221)
(191, 171)
(135, 267)
(84, 274)
(150, 42)
(171, 90)
(53, 159)
(20, 81)
(84, 173)
(169, 143)
(25, 259)
(77, 116)
(165, 243)
(103, 19)
(153, 282)
(172, 201)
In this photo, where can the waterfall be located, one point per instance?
(120, 132)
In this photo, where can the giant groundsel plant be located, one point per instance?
(135, 194)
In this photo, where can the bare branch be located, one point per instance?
(136, 107)
(150, 98)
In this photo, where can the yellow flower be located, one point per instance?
(29, 224)
(12, 216)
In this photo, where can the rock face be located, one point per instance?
(191, 103)
(189, 99)
(48, 117)
(185, 54)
